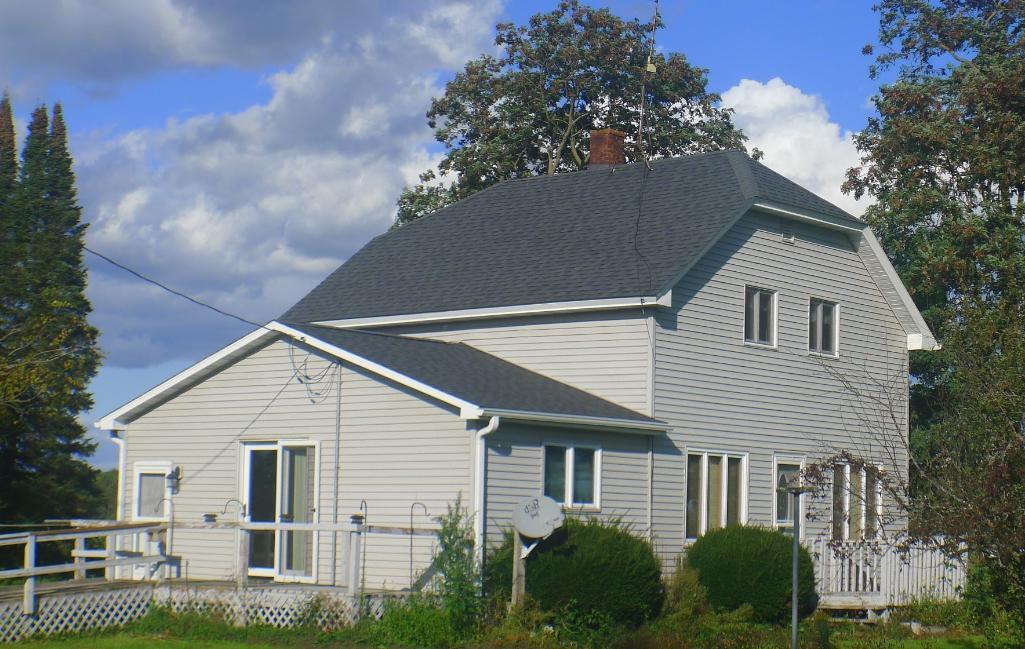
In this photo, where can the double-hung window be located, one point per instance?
(760, 316)
(788, 474)
(715, 491)
(857, 502)
(572, 475)
(822, 327)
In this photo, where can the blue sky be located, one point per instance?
(240, 151)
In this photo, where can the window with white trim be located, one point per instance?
(572, 474)
(857, 502)
(822, 327)
(788, 474)
(151, 491)
(716, 485)
(760, 316)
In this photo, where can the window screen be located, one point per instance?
(555, 473)
(151, 495)
(759, 316)
(822, 327)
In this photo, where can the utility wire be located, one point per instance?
(171, 290)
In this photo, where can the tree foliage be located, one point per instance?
(944, 159)
(529, 110)
(48, 350)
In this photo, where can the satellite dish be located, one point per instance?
(537, 517)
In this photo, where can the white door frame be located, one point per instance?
(277, 571)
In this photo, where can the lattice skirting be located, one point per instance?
(71, 611)
(277, 606)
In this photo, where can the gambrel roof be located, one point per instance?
(608, 237)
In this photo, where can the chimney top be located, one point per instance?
(606, 148)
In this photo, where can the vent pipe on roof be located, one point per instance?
(606, 148)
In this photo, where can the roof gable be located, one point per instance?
(477, 383)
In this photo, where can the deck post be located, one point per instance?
(109, 572)
(243, 557)
(355, 547)
(78, 558)
(28, 602)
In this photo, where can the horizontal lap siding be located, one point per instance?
(605, 353)
(720, 394)
(396, 448)
(515, 468)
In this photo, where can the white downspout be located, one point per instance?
(115, 436)
(480, 478)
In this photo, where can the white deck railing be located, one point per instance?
(108, 557)
(877, 575)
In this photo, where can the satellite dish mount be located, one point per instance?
(535, 519)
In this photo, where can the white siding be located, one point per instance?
(515, 467)
(721, 394)
(605, 353)
(396, 448)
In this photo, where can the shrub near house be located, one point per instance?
(588, 567)
(741, 565)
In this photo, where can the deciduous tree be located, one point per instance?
(528, 111)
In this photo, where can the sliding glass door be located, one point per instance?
(280, 486)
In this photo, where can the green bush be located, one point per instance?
(418, 621)
(749, 565)
(591, 569)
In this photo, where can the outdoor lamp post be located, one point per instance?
(795, 489)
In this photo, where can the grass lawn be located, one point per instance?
(131, 641)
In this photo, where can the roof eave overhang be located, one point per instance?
(607, 304)
(119, 418)
(649, 427)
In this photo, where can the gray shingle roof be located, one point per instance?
(555, 238)
(472, 375)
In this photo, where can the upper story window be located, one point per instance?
(716, 484)
(572, 475)
(822, 327)
(760, 316)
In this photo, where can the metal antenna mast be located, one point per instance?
(649, 68)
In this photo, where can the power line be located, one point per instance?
(171, 290)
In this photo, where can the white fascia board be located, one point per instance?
(112, 420)
(822, 220)
(496, 312)
(467, 410)
(579, 420)
(922, 338)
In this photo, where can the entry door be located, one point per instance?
(280, 486)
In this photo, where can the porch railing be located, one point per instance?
(108, 557)
(878, 575)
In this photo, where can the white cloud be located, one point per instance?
(799, 140)
(249, 210)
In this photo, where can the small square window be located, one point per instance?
(760, 316)
(571, 475)
(822, 327)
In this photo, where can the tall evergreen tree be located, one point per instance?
(50, 348)
(8, 185)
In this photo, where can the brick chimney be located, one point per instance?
(606, 148)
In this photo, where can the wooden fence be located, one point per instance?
(875, 575)
(108, 557)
